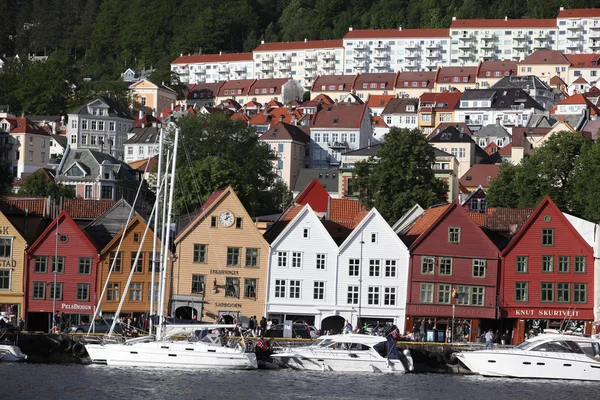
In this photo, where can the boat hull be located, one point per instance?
(11, 353)
(340, 364)
(524, 364)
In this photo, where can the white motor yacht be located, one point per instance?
(10, 352)
(546, 356)
(202, 350)
(349, 352)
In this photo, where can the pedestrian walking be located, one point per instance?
(489, 339)
(263, 326)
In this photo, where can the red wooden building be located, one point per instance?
(453, 275)
(76, 276)
(547, 276)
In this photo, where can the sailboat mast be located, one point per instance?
(157, 206)
(163, 282)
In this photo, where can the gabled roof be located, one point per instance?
(445, 74)
(299, 214)
(368, 217)
(451, 135)
(367, 151)
(399, 106)
(323, 99)
(343, 115)
(300, 45)
(113, 108)
(313, 180)
(109, 223)
(557, 81)
(459, 126)
(584, 60)
(146, 135)
(519, 133)
(581, 80)
(272, 116)
(504, 67)
(396, 33)
(525, 82)
(283, 131)
(24, 125)
(282, 221)
(546, 57)
(379, 100)
(50, 230)
(503, 23)
(480, 175)
(86, 209)
(579, 13)
(213, 58)
(148, 164)
(417, 76)
(237, 84)
(344, 210)
(136, 219)
(546, 202)
(424, 222)
(346, 82)
(275, 84)
(387, 78)
(407, 219)
(378, 122)
(578, 99)
(444, 101)
(492, 130)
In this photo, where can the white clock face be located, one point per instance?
(226, 218)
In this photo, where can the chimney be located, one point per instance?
(305, 40)
(400, 28)
(498, 121)
(281, 118)
(505, 18)
(220, 53)
(349, 29)
(262, 42)
(562, 8)
(453, 18)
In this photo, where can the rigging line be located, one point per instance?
(194, 180)
(187, 209)
(113, 262)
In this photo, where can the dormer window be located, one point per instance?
(74, 171)
(410, 108)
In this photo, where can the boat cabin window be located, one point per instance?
(322, 342)
(589, 348)
(566, 346)
(349, 346)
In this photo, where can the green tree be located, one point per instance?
(215, 152)
(400, 175)
(38, 184)
(6, 178)
(586, 186)
(503, 191)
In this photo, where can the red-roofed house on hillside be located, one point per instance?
(435, 108)
(334, 86)
(480, 175)
(378, 102)
(369, 84)
(208, 68)
(337, 129)
(497, 39)
(150, 96)
(579, 85)
(290, 144)
(27, 145)
(545, 64)
(584, 66)
(576, 105)
(282, 90)
(308, 59)
(458, 78)
(490, 72)
(580, 35)
(269, 117)
(547, 279)
(371, 50)
(453, 276)
(74, 257)
(201, 94)
(413, 84)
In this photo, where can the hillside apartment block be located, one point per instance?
(465, 43)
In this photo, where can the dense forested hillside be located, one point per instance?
(99, 39)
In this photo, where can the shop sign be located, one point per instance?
(8, 263)
(76, 307)
(546, 313)
(223, 272)
(4, 230)
(448, 310)
(228, 305)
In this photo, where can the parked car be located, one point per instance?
(101, 326)
(298, 331)
(314, 332)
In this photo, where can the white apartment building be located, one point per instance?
(378, 292)
(390, 50)
(303, 61)
(579, 30)
(100, 125)
(499, 39)
(209, 68)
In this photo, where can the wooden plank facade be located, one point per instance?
(12, 269)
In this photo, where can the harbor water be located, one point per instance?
(69, 381)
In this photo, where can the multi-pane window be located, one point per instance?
(39, 290)
(58, 264)
(139, 265)
(477, 295)
(112, 291)
(319, 290)
(373, 295)
(548, 237)
(445, 266)
(56, 292)
(464, 293)
(444, 291)
(563, 264)
(280, 288)
(563, 292)
(156, 294)
(426, 293)
(296, 259)
(352, 294)
(199, 253)
(547, 263)
(232, 287)
(547, 292)
(579, 265)
(5, 247)
(233, 256)
(579, 293)
(521, 291)
(295, 289)
(135, 291)
(41, 264)
(389, 296)
(85, 266)
(321, 261)
(83, 291)
(213, 221)
(151, 263)
(427, 265)
(306, 233)
(282, 259)
(374, 267)
(453, 235)
(250, 288)
(522, 262)
(116, 259)
(4, 279)
(353, 267)
(197, 283)
(390, 268)
(479, 268)
(251, 257)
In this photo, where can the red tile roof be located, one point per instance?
(34, 205)
(445, 101)
(284, 219)
(86, 209)
(546, 57)
(496, 66)
(346, 82)
(581, 80)
(274, 103)
(167, 111)
(343, 209)
(387, 78)
(24, 125)
(272, 116)
(579, 13)
(518, 133)
(236, 84)
(379, 100)
(300, 45)
(240, 117)
(343, 115)
(506, 151)
(213, 58)
(377, 121)
(419, 77)
(503, 23)
(396, 33)
(584, 60)
(428, 218)
(324, 99)
(445, 74)
(146, 120)
(268, 84)
(480, 174)
(140, 165)
(557, 81)
(578, 99)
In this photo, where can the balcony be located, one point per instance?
(338, 145)
(430, 44)
(380, 64)
(520, 36)
(537, 45)
(239, 68)
(520, 45)
(267, 59)
(328, 56)
(381, 54)
(329, 65)
(572, 44)
(594, 34)
(284, 67)
(519, 54)
(595, 45)
(462, 44)
(431, 63)
(465, 36)
(361, 47)
(200, 71)
(266, 67)
(573, 35)
(310, 65)
(412, 55)
(488, 35)
(411, 45)
(360, 64)
(489, 54)
(285, 58)
(488, 44)
(465, 55)
(411, 64)
(311, 57)
(381, 46)
(594, 25)
(361, 55)
(223, 69)
(574, 26)
(433, 54)
(540, 35)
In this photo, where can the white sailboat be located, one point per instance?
(200, 350)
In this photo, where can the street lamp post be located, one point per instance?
(452, 332)
(360, 279)
(54, 268)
